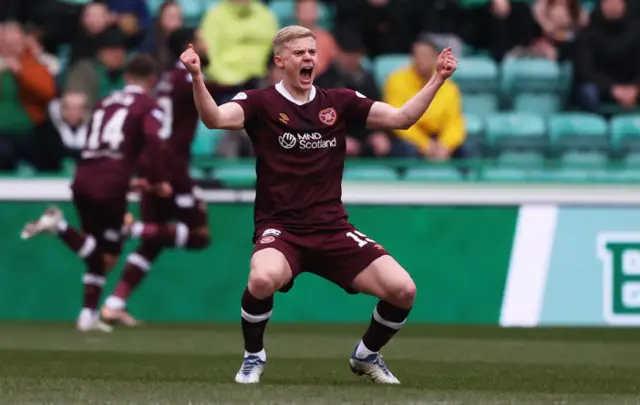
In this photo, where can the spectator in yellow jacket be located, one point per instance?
(238, 34)
(440, 133)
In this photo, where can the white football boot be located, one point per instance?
(251, 370)
(47, 223)
(89, 321)
(372, 366)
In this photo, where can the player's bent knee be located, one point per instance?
(262, 284)
(403, 295)
(198, 240)
(269, 272)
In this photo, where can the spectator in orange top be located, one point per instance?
(26, 87)
(307, 16)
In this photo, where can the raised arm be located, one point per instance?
(227, 116)
(387, 117)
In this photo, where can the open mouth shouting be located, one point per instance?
(306, 76)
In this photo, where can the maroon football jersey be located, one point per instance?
(174, 94)
(122, 125)
(300, 152)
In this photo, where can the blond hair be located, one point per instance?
(288, 34)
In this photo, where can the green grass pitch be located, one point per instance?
(308, 364)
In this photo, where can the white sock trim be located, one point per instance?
(87, 247)
(62, 225)
(255, 318)
(388, 324)
(92, 279)
(182, 234)
(136, 230)
(363, 351)
(139, 261)
(115, 303)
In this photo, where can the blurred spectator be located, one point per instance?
(238, 34)
(444, 20)
(440, 133)
(347, 72)
(94, 21)
(65, 132)
(26, 87)
(133, 18)
(607, 63)
(169, 19)
(502, 27)
(307, 16)
(386, 26)
(32, 41)
(98, 77)
(559, 21)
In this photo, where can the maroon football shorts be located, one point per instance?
(338, 254)
(103, 219)
(186, 205)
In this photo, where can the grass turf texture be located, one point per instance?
(308, 364)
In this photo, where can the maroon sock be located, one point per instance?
(93, 280)
(387, 319)
(255, 316)
(76, 240)
(137, 267)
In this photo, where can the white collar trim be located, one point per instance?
(283, 91)
(132, 88)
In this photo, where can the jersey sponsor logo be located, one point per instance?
(284, 118)
(271, 231)
(328, 116)
(306, 140)
(240, 96)
(360, 95)
(267, 239)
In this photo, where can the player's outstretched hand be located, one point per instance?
(191, 60)
(446, 64)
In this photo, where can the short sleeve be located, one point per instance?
(355, 106)
(250, 103)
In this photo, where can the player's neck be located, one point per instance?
(300, 95)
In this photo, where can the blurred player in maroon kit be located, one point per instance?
(123, 126)
(174, 94)
(298, 133)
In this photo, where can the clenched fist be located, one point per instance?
(191, 61)
(446, 64)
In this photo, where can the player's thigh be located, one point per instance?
(386, 279)
(154, 208)
(274, 264)
(103, 218)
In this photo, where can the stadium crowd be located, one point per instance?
(57, 58)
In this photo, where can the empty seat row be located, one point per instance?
(521, 131)
(482, 74)
(243, 175)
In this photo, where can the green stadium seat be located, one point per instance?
(475, 131)
(476, 74)
(197, 173)
(620, 175)
(370, 173)
(529, 75)
(236, 175)
(515, 131)
(566, 78)
(205, 141)
(560, 174)
(584, 159)
(435, 173)
(480, 103)
(68, 167)
(286, 13)
(154, 6)
(504, 174)
(632, 158)
(521, 159)
(383, 65)
(578, 131)
(25, 170)
(194, 9)
(625, 133)
(544, 104)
